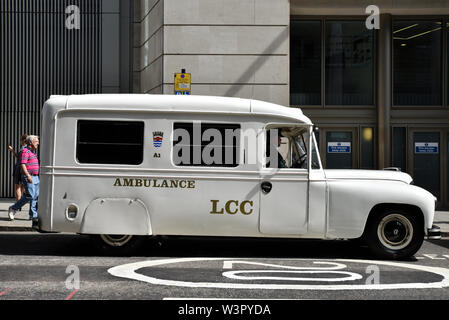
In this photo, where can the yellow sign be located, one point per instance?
(182, 83)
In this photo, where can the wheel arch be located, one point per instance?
(381, 207)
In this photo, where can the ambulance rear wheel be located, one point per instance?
(115, 244)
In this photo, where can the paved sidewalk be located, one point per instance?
(442, 220)
(21, 222)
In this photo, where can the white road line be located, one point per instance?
(332, 265)
(224, 299)
(129, 271)
(433, 257)
(350, 276)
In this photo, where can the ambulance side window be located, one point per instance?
(206, 144)
(110, 142)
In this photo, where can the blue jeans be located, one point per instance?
(31, 194)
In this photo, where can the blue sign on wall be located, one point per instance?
(339, 147)
(426, 147)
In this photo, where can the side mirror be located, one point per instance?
(315, 128)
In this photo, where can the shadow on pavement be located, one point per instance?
(81, 245)
(258, 248)
(28, 243)
(442, 242)
(16, 219)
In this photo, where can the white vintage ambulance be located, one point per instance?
(119, 167)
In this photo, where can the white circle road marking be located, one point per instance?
(304, 270)
(234, 275)
(129, 271)
(332, 265)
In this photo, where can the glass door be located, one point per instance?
(447, 171)
(426, 169)
(339, 150)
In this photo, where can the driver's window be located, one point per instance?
(316, 164)
(299, 151)
(287, 148)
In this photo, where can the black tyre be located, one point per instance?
(394, 233)
(117, 245)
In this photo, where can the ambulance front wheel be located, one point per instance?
(395, 233)
(114, 244)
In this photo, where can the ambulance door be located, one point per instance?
(284, 182)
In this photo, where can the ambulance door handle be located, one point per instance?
(266, 187)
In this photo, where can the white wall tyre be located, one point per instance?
(115, 240)
(118, 245)
(394, 233)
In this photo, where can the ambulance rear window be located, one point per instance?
(110, 142)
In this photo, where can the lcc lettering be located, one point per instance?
(232, 207)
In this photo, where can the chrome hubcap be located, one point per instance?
(116, 240)
(395, 231)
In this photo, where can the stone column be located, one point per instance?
(234, 48)
(384, 90)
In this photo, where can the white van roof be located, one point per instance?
(178, 103)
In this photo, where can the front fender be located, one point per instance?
(351, 201)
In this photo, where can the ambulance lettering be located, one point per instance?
(154, 183)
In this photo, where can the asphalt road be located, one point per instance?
(62, 266)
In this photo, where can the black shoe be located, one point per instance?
(35, 224)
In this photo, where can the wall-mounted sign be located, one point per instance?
(426, 147)
(339, 147)
(182, 83)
